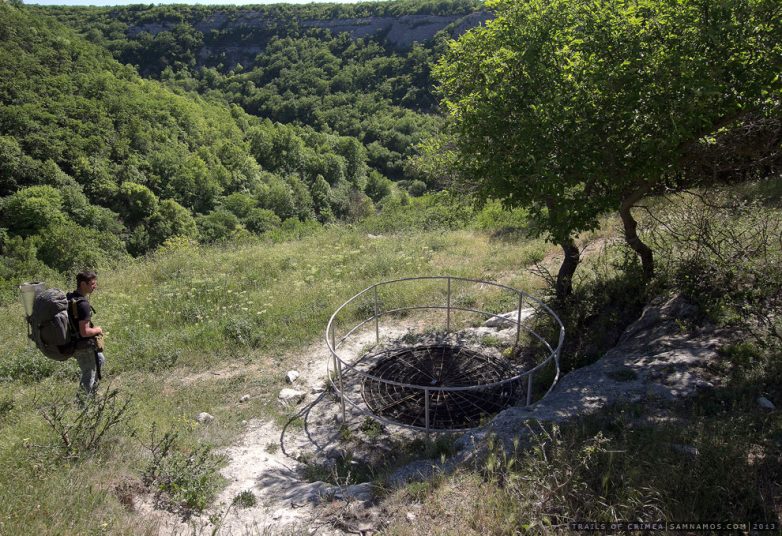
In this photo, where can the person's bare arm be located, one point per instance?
(85, 330)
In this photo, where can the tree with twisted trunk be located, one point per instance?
(576, 109)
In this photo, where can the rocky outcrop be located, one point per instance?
(398, 33)
(656, 358)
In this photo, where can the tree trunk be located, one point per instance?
(568, 268)
(631, 235)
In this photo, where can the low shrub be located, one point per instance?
(28, 365)
(83, 425)
(434, 211)
(724, 254)
(187, 477)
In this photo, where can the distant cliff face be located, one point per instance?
(398, 33)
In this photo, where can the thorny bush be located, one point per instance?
(83, 426)
(725, 253)
(187, 477)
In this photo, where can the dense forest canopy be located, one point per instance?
(358, 70)
(123, 128)
(98, 162)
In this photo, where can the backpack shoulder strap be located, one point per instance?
(74, 313)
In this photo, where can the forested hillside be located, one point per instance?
(235, 174)
(124, 127)
(358, 70)
(97, 162)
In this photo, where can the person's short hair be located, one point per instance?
(85, 277)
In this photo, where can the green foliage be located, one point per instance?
(261, 220)
(494, 217)
(117, 146)
(138, 241)
(242, 332)
(19, 262)
(101, 139)
(416, 188)
(724, 254)
(45, 233)
(80, 431)
(78, 208)
(171, 219)
(606, 470)
(603, 303)
(18, 170)
(6, 406)
(363, 88)
(136, 202)
(216, 226)
(239, 204)
(572, 109)
(322, 200)
(27, 365)
(302, 199)
(276, 147)
(429, 212)
(371, 428)
(350, 204)
(193, 185)
(70, 247)
(377, 186)
(187, 476)
(32, 209)
(278, 197)
(245, 499)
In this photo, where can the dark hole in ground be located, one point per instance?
(439, 366)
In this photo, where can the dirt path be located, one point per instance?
(266, 462)
(654, 359)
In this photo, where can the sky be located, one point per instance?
(202, 2)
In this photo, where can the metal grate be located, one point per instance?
(398, 385)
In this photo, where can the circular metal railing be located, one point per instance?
(341, 367)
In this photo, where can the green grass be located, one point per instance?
(249, 309)
(610, 468)
(192, 309)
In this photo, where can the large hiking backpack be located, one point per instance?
(50, 327)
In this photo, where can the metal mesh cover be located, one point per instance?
(438, 366)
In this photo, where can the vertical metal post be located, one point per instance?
(426, 408)
(448, 314)
(341, 389)
(377, 321)
(518, 318)
(337, 367)
(529, 389)
(334, 345)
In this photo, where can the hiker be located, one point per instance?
(89, 342)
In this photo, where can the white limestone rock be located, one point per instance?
(291, 396)
(204, 418)
(507, 320)
(292, 375)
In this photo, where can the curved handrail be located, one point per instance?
(340, 363)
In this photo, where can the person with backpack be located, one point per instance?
(88, 347)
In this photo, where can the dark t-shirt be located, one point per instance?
(83, 309)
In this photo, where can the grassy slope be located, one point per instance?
(195, 309)
(714, 459)
(188, 311)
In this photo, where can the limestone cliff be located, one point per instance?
(252, 30)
